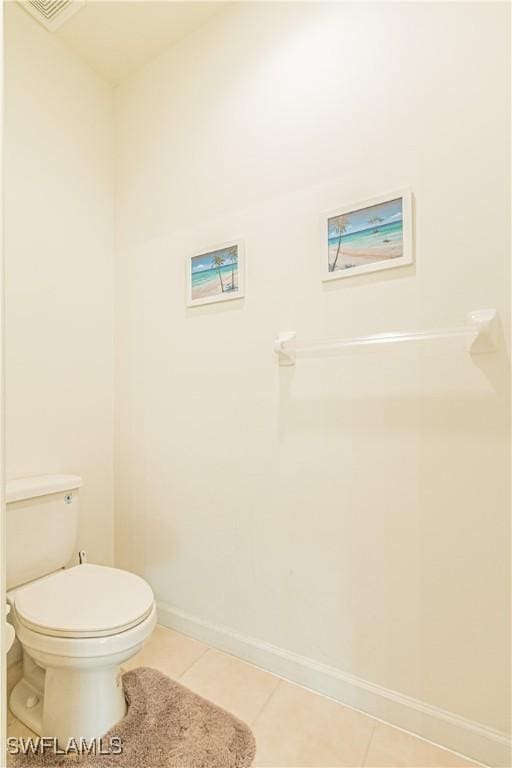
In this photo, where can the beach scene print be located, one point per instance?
(366, 236)
(215, 274)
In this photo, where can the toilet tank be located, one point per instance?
(41, 525)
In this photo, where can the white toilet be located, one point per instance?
(77, 625)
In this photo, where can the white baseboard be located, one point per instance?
(471, 739)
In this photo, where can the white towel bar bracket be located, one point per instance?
(481, 334)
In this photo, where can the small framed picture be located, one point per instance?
(217, 274)
(368, 236)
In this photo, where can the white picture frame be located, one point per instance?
(367, 236)
(215, 274)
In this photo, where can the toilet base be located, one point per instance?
(76, 704)
(31, 716)
(82, 704)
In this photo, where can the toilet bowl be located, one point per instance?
(77, 626)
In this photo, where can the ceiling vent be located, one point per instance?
(52, 13)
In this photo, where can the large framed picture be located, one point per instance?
(368, 236)
(216, 274)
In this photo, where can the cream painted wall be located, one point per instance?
(353, 510)
(59, 271)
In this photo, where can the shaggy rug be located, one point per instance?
(166, 726)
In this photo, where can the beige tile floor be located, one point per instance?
(292, 726)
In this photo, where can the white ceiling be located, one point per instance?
(116, 37)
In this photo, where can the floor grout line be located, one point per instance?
(194, 662)
(253, 721)
(363, 764)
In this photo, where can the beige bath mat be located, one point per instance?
(166, 726)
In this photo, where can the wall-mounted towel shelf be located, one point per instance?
(481, 332)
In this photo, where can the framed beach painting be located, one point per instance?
(217, 274)
(368, 236)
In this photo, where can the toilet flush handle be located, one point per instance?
(82, 556)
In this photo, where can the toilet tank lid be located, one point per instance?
(42, 485)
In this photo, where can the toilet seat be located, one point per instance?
(85, 601)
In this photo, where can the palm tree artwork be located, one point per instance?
(218, 262)
(233, 255)
(341, 226)
(216, 275)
